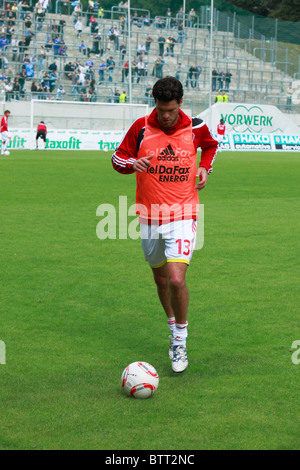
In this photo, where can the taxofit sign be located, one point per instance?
(21, 139)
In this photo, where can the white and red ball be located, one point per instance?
(139, 380)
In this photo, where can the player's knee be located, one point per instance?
(160, 280)
(177, 281)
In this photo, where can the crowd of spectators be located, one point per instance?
(24, 59)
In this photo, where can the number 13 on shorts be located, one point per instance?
(184, 247)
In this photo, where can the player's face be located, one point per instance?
(167, 112)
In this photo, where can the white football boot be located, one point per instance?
(180, 360)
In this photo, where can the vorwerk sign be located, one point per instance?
(243, 119)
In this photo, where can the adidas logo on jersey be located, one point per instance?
(167, 155)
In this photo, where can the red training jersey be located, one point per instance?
(4, 123)
(126, 152)
(221, 129)
(42, 127)
(170, 180)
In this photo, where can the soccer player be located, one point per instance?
(161, 149)
(4, 133)
(41, 132)
(221, 128)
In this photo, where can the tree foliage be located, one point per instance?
(288, 10)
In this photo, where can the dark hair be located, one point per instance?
(167, 89)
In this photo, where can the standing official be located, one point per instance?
(4, 133)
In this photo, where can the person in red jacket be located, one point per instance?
(221, 128)
(161, 149)
(5, 137)
(41, 133)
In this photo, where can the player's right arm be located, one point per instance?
(125, 156)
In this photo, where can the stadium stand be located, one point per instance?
(56, 55)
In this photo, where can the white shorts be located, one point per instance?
(173, 242)
(4, 136)
(220, 138)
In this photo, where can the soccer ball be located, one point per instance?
(139, 380)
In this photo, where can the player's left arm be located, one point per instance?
(204, 140)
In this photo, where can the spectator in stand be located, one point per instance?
(221, 77)
(101, 72)
(289, 98)
(75, 82)
(33, 89)
(191, 18)
(148, 94)
(48, 44)
(22, 77)
(214, 79)
(16, 90)
(3, 44)
(24, 8)
(134, 71)
(60, 27)
(161, 42)
(228, 76)
(53, 80)
(53, 66)
(93, 91)
(191, 73)
(125, 71)
(28, 37)
(93, 24)
(110, 64)
(180, 31)
(168, 16)
(178, 71)
(14, 10)
(122, 51)
(46, 82)
(41, 94)
(197, 75)
(82, 48)
(78, 27)
(11, 20)
(62, 51)
(147, 21)
(90, 12)
(39, 15)
(180, 15)
(10, 31)
(158, 67)
(96, 45)
(22, 48)
(60, 93)
(148, 44)
(141, 49)
(171, 41)
(140, 70)
(8, 87)
(77, 12)
(14, 45)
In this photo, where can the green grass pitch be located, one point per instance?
(75, 310)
